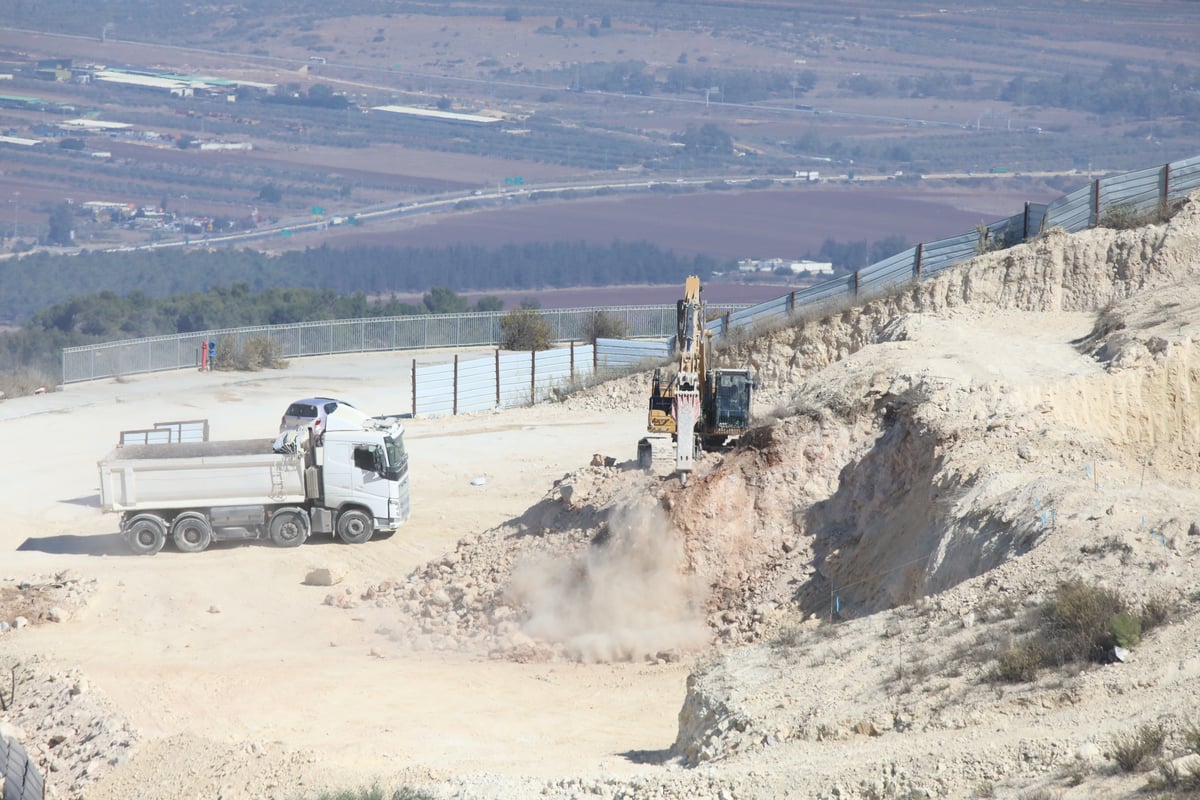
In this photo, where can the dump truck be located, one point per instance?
(351, 481)
(696, 406)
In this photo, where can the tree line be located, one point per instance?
(38, 280)
(66, 301)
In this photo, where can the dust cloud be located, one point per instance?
(625, 597)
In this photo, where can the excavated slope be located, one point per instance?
(972, 439)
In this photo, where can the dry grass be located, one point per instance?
(1132, 751)
(24, 381)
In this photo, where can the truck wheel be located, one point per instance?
(146, 534)
(288, 527)
(191, 532)
(354, 527)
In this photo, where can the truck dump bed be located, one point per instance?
(199, 474)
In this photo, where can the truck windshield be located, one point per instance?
(397, 458)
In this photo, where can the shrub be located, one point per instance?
(259, 352)
(23, 381)
(1079, 623)
(1019, 663)
(1080, 619)
(375, 793)
(1155, 611)
(1126, 630)
(1176, 779)
(1126, 216)
(525, 329)
(1131, 750)
(603, 325)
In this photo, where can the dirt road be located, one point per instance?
(230, 646)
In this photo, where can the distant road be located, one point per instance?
(447, 202)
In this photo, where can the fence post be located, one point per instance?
(455, 401)
(572, 360)
(1025, 223)
(1095, 203)
(497, 377)
(856, 283)
(791, 303)
(414, 388)
(920, 254)
(532, 377)
(1165, 202)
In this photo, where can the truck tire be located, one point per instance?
(288, 527)
(354, 526)
(146, 534)
(191, 532)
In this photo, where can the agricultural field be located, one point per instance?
(613, 95)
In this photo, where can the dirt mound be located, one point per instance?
(893, 465)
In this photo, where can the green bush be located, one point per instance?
(1125, 630)
(1080, 619)
(525, 329)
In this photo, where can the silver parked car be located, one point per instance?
(313, 413)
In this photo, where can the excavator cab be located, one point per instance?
(727, 404)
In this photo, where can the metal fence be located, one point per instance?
(419, 332)
(505, 380)
(1131, 194)
(20, 776)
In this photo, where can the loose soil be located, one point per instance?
(815, 613)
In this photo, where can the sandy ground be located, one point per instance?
(229, 645)
(931, 465)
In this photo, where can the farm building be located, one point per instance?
(434, 114)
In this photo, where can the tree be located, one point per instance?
(443, 103)
(558, 24)
(707, 139)
(489, 303)
(525, 329)
(185, 141)
(441, 300)
(270, 193)
(62, 225)
(512, 15)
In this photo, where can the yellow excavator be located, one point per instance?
(696, 407)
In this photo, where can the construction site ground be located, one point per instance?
(815, 614)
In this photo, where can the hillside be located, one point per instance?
(841, 590)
